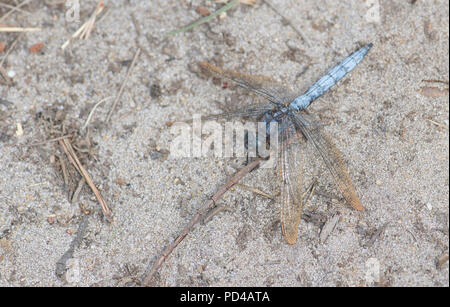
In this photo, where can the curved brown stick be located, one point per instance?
(202, 211)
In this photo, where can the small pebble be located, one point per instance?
(36, 47)
(51, 220)
(203, 11)
(2, 47)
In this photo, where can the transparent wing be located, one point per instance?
(250, 111)
(291, 180)
(262, 85)
(331, 156)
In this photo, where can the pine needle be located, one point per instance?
(204, 19)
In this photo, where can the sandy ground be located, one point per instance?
(391, 126)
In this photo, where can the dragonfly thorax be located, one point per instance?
(275, 115)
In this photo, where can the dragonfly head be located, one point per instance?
(275, 115)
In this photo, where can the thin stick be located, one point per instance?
(299, 33)
(92, 112)
(9, 50)
(5, 76)
(212, 213)
(204, 19)
(328, 228)
(76, 193)
(19, 29)
(90, 23)
(438, 124)
(14, 9)
(203, 210)
(254, 190)
(86, 28)
(67, 147)
(138, 35)
(64, 171)
(2, 70)
(435, 81)
(108, 118)
(47, 141)
(309, 192)
(56, 2)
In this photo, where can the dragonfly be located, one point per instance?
(286, 108)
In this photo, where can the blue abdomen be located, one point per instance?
(330, 79)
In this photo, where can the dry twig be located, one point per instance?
(108, 118)
(299, 33)
(16, 8)
(67, 147)
(85, 30)
(202, 211)
(18, 29)
(255, 190)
